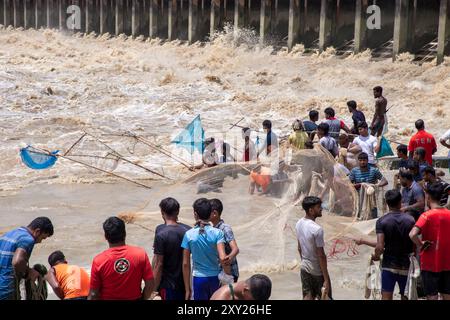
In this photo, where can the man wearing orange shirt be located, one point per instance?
(117, 273)
(423, 139)
(69, 282)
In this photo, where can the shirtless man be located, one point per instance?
(379, 118)
(257, 287)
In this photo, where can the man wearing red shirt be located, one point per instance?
(434, 226)
(423, 139)
(117, 273)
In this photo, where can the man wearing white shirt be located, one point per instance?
(368, 144)
(445, 141)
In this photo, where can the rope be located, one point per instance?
(342, 245)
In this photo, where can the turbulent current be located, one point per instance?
(54, 86)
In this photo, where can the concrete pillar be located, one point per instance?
(264, 20)
(360, 26)
(39, 18)
(119, 16)
(91, 16)
(193, 21)
(62, 10)
(52, 14)
(154, 19)
(103, 16)
(18, 13)
(173, 20)
(444, 30)
(215, 16)
(136, 21)
(402, 27)
(327, 23)
(8, 13)
(28, 14)
(241, 13)
(294, 28)
(2, 14)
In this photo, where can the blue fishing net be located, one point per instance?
(36, 159)
(192, 137)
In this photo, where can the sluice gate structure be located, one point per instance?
(387, 27)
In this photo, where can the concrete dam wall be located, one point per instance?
(387, 27)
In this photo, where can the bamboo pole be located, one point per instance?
(125, 159)
(89, 166)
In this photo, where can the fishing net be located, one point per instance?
(264, 224)
(113, 155)
(37, 159)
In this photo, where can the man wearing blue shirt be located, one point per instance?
(15, 251)
(207, 246)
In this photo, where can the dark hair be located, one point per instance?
(114, 230)
(421, 152)
(260, 286)
(330, 112)
(362, 124)
(170, 206)
(402, 148)
(352, 104)
(202, 207)
(267, 124)
(378, 89)
(55, 257)
(429, 170)
(244, 130)
(310, 202)
(42, 223)
(313, 114)
(420, 124)
(406, 175)
(209, 140)
(363, 156)
(393, 198)
(412, 164)
(324, 127)
(217, 205)
(435, 191)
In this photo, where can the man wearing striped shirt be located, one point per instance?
(367, 174)
(15, 251)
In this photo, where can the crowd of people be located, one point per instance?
(200, 262)
(124, 272)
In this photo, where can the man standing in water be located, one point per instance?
(314, 272)
(271, 143)
(249, 153)
(379, 117)
(15, 251)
